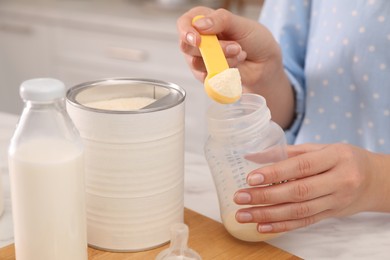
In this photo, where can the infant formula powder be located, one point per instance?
(121, 104)
(227, 83)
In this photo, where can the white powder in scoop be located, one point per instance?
(227, 83)
(121, 104)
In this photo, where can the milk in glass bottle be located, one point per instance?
(242, 137)
(47, 177)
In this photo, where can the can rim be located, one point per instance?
(72, 93)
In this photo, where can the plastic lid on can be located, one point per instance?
(42, 89)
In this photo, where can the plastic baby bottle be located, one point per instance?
(242, 137)
(47, 177)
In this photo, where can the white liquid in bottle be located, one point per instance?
(244, 231)
(47, 191)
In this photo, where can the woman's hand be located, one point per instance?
(247, 45)
(324, 181)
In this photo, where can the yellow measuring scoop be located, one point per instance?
(216, 63)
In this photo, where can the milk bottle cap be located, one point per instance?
(42, 89)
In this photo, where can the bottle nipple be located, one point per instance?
(178, 249)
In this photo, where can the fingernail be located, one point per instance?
(203, 24)
(241, 56)
(242, 197)
(233, 49)
(191, 38)
(264, 228)
(244, 216)
(255, 179)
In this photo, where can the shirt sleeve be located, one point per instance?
(289, 23)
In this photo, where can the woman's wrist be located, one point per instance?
(380, 188)
(276, 88)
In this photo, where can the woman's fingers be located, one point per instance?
(187, 33)
(233, 53)
(230, 48)
(294, 150)
(215, 22)
(288, 225)
(292, 191)
(236, 35)
(297, 167)
(332, 180)
(284, 212)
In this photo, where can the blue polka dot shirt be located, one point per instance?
(337, 56)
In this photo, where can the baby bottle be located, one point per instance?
(242, 137)
(47, 177)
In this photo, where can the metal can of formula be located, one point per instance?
(133, 134)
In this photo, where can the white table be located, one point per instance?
(363, 236)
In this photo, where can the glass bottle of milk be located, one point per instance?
(47, 177)
(242, 137)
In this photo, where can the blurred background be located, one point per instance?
(77, 41)
(81, 40)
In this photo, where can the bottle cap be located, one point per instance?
(42, 89)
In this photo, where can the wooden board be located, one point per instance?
(208, 237)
